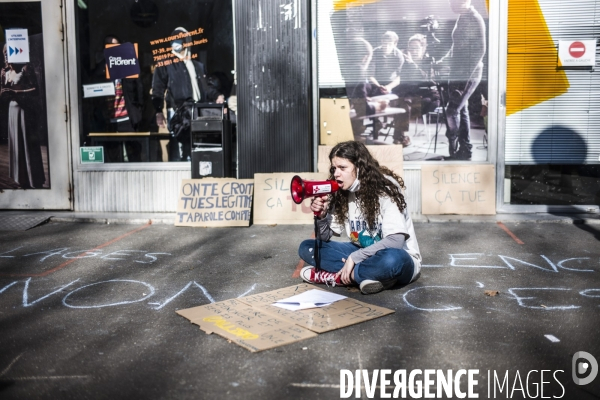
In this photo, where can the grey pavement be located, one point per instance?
(87, 310)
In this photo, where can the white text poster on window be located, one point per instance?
(17, 45)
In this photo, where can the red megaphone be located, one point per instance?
(304, 189)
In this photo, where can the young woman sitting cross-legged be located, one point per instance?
(370, 207)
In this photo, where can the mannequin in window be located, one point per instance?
(123, 112)
(181, 80)
(127, 111)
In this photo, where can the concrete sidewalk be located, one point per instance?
(90, 310)
(169, 218)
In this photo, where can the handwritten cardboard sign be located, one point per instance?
(244, 325)
(389, 156)
(214, 202)
(273, 202)
(253, 323)
(458, 189)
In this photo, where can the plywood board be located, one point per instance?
(458, 189)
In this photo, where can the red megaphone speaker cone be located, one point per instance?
(304, 189)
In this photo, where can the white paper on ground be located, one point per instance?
(310, 299)
(297, 307)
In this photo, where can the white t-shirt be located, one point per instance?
(389, 221)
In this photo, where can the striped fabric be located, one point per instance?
(120, 110)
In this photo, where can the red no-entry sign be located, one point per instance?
(577, 49)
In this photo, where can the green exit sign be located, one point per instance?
(92, 154)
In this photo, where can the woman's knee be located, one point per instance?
(306, 250)
(396, 260)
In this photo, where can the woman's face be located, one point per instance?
(344, 172)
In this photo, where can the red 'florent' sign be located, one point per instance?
(576, 49)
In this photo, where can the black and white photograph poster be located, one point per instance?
(23, 121)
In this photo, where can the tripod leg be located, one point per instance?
(437, 130)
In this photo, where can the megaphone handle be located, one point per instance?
(317, 213)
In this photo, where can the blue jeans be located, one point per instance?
(457, 113)
(386, 264)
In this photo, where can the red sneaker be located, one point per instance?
(309, 275)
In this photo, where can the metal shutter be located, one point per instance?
(274, 74)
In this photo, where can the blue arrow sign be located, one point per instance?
(17, 45)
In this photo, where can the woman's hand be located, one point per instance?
(346, 273)
(319, 206)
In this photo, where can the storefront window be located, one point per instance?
(409, 74)
(552, 137)
(24, 143)
(553, 184)
(139, 61)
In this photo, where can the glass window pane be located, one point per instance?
(391, 72)
(183, 50)
(553, 184)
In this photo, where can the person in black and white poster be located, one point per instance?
(19, 88)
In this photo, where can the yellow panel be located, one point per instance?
(532, 74)
(343, 4)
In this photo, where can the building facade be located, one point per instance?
(466, 83)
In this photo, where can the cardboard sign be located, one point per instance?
(214, 202)
(273, 202)
(340, 314)
(17, 46)
(121, 61)
(458, 189)
(389, 156)
(253, 323)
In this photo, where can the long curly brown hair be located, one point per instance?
(373, 183)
